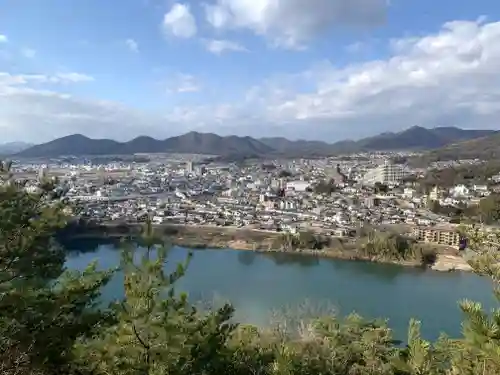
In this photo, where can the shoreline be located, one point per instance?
(444, 263)
(259, 241)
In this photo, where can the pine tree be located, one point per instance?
(479, 351)
(42, 308)
(421, 357)
(158, 331)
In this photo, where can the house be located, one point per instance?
(459, 191)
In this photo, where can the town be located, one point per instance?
(333, 196)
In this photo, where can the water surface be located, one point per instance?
(257, 283)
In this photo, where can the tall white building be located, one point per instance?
(42, 173)
(385, 174)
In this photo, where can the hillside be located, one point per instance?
(415, 138)
(76, 144)
(484, 148)
(192, 142)
(419, 138)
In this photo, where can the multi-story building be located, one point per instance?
(385, 174)
(435, 194)
(297, 185)
(42, 173)
(437, 235)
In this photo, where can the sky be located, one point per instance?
(302, 69)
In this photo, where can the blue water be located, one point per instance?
(256, 284)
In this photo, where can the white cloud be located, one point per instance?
(291, 23)
(29, 53)
(9, 80)
(179, 22)
(132, 45)
(219, 46)
(449, 78)
(444, 79)
(39, 116)
(3, 38)
(183, 83)
(31, 112)
(73, 77)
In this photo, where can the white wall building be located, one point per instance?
(385, 174)
(297, 185)
(459, 191)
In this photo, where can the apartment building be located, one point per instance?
(440, 236)
(385, 174)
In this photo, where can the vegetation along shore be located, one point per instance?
(368, 244)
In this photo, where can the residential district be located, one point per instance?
(333, 196)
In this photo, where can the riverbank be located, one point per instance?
(201, 237)
(443, 263)
(448, 263)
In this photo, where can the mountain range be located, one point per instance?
(13, 147)
(414, 138)
(483, 148)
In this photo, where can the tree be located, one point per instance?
(324, 187)
(381, 188)
(479, 351)
(435, 206)
(42, 308)
(284, 173)
(489, 209)
(158, 331)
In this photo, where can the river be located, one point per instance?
(258, 284)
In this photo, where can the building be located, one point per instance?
(189, 167)
(436, 235)
(435, 194)
(42, 173)
(200, 170)
(385, 174)
(459, 191)
(299, 186)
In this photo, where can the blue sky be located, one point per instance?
(317, 69)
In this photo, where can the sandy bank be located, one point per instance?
(451, 263)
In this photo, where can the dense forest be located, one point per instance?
(51, 323)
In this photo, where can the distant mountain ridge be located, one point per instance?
(419, 138)
(483, 148)
(14, 147)
(414, 138)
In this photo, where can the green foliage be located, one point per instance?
(379, 245)
(157, 331)
(302, 240)
(284, 173)
(480, 348)
(325, 187)
(380, 188)
(488, 210)
(449, 177)
(42, 308)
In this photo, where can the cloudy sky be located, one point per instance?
(314, 69)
